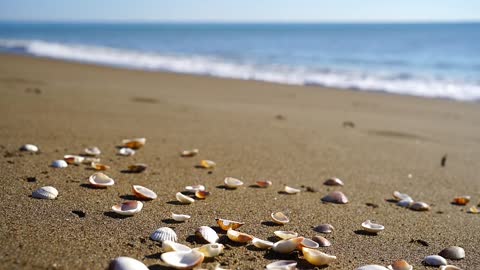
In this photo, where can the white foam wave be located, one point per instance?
(203, 65)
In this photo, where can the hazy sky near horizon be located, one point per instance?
(240, 10)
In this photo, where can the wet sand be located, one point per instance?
(290, 135)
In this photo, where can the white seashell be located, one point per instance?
(435, 260)
(124, 151)
(453, 253)
(420, 206)
(291, 190)
(168, 245)
(100, 180)
(226, 224)
(164, 234)
(285, 234)
(46, 192)
(405, 202)
(231, 182)
(316, 257)
(207, 164)
(336, 197)
(184, 198)
(449, 267)
(322, 241)
(73, 159)
(143, 192)
(195, 188)
(263, 244)
(372, 227)
(29, 148)
(372, 267)
(308, 243)
(400, 265)
(324, 228)
(180, 217)
(134, 143)
(59, 163)
(473, 210)
(128, 208)
(239, 237)
(206, 233)
(189, 153)
(282, 265)
(333, 182)
(126, 263)
(92, 151)
(280, 218)
(89, 160)
(401, 196)
(211, 250)
(183, 260)
(287, 246)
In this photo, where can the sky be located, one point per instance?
(241, 10)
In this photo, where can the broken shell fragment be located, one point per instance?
(308, 243)
(207, 164)
(184, 198)
(164, 234)
(263, 183)
(316, 257)
(137, 168)
(372, 227)
(100, 180)
(280, 218)
(59, 164)
(207, 234)
(231, 182)
(420, 206)
(182, 259)
(462, 200)
(124, 151)
(126, 263)
(322, 241)
(336, 197)
(226, 224)
(168, 245)
(99, 166)
(211, 250)
(134, 143)
(287, 246)
(73, 159)
(285, 234)
(202, 194)
(180, 217)
(291, 190)
(473, 210)
(128, 208)
(282, 265)
(46, 192)
(143, 192)
(435, 260)
(372, 267)
(324, 228)
(92, 151)
(400, 265)
(449, 267)
(29, 148)
(195, 188)
(189, 153)
(453, 253)
(262, 244)
(333, 182)
(239, 237)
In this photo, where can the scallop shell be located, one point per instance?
(206, 233)
(287, 246)
(164, 234)
(128, 208)
(124, 151)
(207, 164)
(134, 143)
(143, 192)
(324, 228)
(280, 218)
(137, 168)
(126, 263)
(59, 163)
(180, 217)
(211, 250)
(285, 234)
(189, 153)
(92, 151)
(282, 265)
(322, 241)
(316, 257)
(333, 182)
(46, 192)
(263, 183)
(231, 182)
(336, 197)
(100, 180)
(453, 253)
(400, 196)
(291, 190)
(420, 206)
(99, 166)
(308, 243)
(29, 148)
(183, 260)
(239, 237)
(226, 224)
(168, 245)
(461, 200)
(202, 194)
(372, 227)
(449, 267)
(400, 265)
(184, 198)
(262, 244)
(434, 260)
(372, 267)
(73, 159)
(195, 188)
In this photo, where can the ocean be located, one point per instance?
(439, 60)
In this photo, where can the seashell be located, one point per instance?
(92, 151)
(239, 237)
(400, 265)
(226, 224)
(262, 244)
(407, 202)
(449, 267)
(168, 245)
(126, 263)
(434, 260)
(207, 164)
(189, 153)
(211, 250)
(184, 198)
(100, 180)
(473, 210)
(282, 265)
(73, 159)
(461, 200)
(324, 228)
(134, 143)
(124, 151)
(401, 196)
(322, 241)
(316, 257)
(137, 168)
(29, 148)
(195, 188)
(201, 194)
(372, 267)
(308, 243)
(287, 246)
(99, 166)
(164, 234)
(291, 190)
(206, 233)
(143, 192)
(372, 227)
(46, 192)
(336, 197)
(180, 217)
(128, 208)
(231, 182)
(333, 182)
(453, 253)
(89, 160)
(59, 163)
(285, 234)
(263, 183)
(183, 260)
(280, 218)
(420, 206)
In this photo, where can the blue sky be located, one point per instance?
(241, 10)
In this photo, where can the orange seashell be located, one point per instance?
(462, 200)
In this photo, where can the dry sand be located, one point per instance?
(253, 130)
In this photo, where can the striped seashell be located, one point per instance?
(46, 192)
(164, 234)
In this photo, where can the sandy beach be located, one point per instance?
(290, 135)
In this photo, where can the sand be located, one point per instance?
(288, 134)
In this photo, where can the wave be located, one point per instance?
(398, 83)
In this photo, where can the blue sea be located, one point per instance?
(430, 60)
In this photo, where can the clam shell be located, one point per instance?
(189, 153)
(316, 257)
(134, 143)
(126, 263)
(202, 194)
(73, 159)
(434, 260)
(333, 182)
(183, 260)
(92, 151)
(407, 202)
(449, 267)
(308, 243)
(143, 192)
(184, 198)
(287, 246)
(282, 265)
(473, 210)
(400, 265)
(262, 244)
(420, 206)
(164, 234)
(400, 196)
(137, 168)
(168, 245)
(372, 267)
(180, 217)
(291, 190)
(239, 237)
(324, 228)
(100, 180)
(453, 253)
(59, 163)
(372, 227)
(226, 224)
(195, 188)
(263, 183)
(280, 218)
(285, 234)
(128, 208)
(231, 182)
(124, 151)
(46, 192)
(206, 233)
(461, 200)
(336, 197)
(207, 164)
(211, 250)
(29, 148)
(322, 241)
(99, 166)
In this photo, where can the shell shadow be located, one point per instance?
(363, 232)
(284, 193)
(176, 203)
(114, 215)
(254, 186)
(130, 172)
(272, 255)
(218, 230)
(391, 200)
(133, 198)
(270, 224)
(254, 248)
(90, 186)
(273, 239)
(156, 256)
(159, 267)
(171, 221)
(192, 239)
(225, 187)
